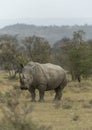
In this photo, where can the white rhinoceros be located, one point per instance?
(43, 77)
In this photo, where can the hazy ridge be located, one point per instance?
(50, 33)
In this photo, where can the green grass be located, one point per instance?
(74, 112)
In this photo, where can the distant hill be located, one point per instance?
(50, 33)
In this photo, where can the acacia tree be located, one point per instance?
(79, 56)
(11, 54)
(79, 62)
(38, 49)
(8, 48)
(76, 56)
(59, 54)
(78, 36)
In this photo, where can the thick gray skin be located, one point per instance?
(43, 77)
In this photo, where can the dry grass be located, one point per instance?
(74, 112)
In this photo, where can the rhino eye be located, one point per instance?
(24, 77)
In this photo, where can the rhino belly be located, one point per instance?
(53, 83)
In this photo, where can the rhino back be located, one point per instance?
(49, 74)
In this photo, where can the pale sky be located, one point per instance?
(17, 9)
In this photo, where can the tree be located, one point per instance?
(11, 54)
(8, 48)
(60, 52)
(76, 57)
(38, 49)
(79, 56)
(78, 36)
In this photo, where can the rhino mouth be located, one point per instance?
(24, 88)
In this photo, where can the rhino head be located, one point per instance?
(26, 78)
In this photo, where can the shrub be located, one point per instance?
(16, 112)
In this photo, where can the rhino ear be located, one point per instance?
(21, 66)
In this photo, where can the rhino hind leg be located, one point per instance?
(58, 92)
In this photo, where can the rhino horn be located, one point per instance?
(20, 77)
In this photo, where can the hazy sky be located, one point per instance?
(45, 8)
(16, 9)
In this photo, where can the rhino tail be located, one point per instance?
(64, 82)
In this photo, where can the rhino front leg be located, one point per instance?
(33, 95)
(41, 95)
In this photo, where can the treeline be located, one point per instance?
(75, 54)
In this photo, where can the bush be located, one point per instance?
(15, 112)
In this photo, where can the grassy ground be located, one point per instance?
(74, 112)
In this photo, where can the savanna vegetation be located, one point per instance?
(74, 112)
